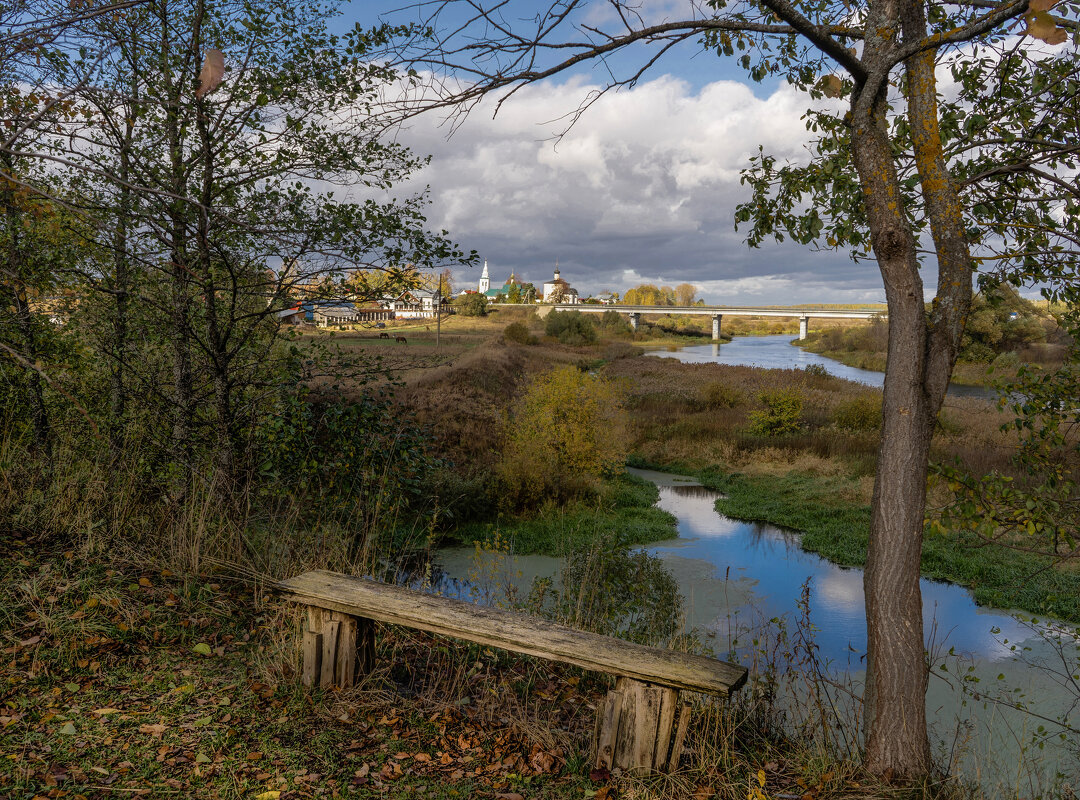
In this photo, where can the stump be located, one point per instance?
(636, 721)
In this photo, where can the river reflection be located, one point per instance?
(775, 568)
(738, 577)
(777, 352)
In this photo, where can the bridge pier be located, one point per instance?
(634, 319)
(804, 324)
(716, 326)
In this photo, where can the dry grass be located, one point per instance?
(697, 416)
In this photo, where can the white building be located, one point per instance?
(416, 304)
(485, 281)
(559, 291)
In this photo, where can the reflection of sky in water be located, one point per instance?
(771, 559)
(765, 570)
(777, 352)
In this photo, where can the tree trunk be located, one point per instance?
(179, 269)
(897, 743)
(16, 270)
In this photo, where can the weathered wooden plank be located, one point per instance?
(624, 738)
(646, 720)
(512, 631)
(312, 658)
(669, 698)
(680, 736)
(329, 652)
(609, 730)
(345, 669)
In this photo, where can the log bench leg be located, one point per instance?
(635, 726)
(338, 648)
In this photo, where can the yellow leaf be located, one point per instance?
(831, 85)
(761, 777)
(213, 70)
(273, 794)
(1041, 25)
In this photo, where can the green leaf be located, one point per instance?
(202, 648)
(68, 729)
(72, 687)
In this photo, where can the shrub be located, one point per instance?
(568, 430)
(719, 395)
(471, 305)
(616, 350)
(781, 415)
(518, 332)
(570, 328)
(612, 323)
(862, 413)
(816, 370)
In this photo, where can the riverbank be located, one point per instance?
(699, 419)
(838, 529)
(866, 347)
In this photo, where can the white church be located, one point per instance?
(556, 290)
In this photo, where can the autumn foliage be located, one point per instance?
(567, 431)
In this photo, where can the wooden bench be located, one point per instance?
(635, 722)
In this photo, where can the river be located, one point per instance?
(742, 581)
(777, 352)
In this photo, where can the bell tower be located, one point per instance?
(485, 281)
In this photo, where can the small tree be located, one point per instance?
(570, 328)
(568, 431)
(685, 294)
(471, 305)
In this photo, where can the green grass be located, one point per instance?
(839, 531)
(624, 507)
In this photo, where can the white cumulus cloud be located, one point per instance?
(642, 188)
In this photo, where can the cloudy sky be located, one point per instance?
(641, 190)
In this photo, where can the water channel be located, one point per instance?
(777, 352)
(742, 581)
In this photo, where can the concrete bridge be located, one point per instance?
(717, 313)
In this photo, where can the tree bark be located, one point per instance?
(179, 269)
(897, 744)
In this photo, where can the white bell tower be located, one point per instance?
(485, 282)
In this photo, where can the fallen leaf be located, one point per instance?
(202, 648)
(273, 794)
(72, 687)
(153, 730)
(104, 711)
(201, 759)
(68, 729)
(600, 774)
(509, 796)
